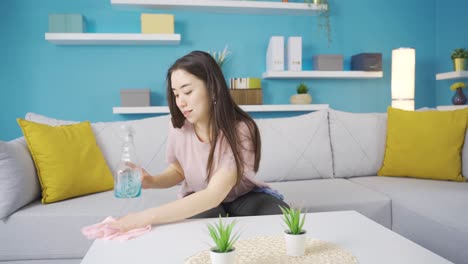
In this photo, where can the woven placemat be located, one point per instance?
(272, 250)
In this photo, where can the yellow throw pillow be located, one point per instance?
(424, 144)
(68, 160)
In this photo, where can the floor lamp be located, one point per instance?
(403, 75)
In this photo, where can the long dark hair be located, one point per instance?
(225, 114)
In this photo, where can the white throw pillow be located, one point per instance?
(358, 142)
(150, 139)
(19, 184)
(295, 148)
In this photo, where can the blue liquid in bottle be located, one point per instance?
(127, 177)
(129, 184)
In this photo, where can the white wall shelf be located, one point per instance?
(450, 107)
(247, 108)
(226, 6)
(322, 75)
(112, 39)
(452, 75)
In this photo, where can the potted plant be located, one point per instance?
(459, 57)
(223, 252)
(295, 236)
(323, 18)
(220, 56)
(302, 96)
(459, 97)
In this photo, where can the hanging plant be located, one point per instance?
(323, 22)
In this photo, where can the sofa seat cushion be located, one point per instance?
(51, 231)
(432, 213)
(335, 195)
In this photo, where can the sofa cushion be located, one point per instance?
(18, 180)
(60, 223)
(358, 142)
(424, 144)
(464, 151)
(335, 195)
(149, 139)
(68, 161)
(465, 156)
(431, 213)
(295, 148)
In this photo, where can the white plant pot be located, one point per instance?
(223, 258)
(295, 244)
(301, 99)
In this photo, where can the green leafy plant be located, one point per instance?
(323, 18)
(292, 218)
(220, 56)
(457, 85)
(302, 88)
(460, 53)
(221, 233)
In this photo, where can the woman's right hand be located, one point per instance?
(146, 178)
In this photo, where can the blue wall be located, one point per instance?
(83, 82)
(451, 34)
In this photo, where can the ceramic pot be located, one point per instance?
(301, 99)
(223, 257)
(459, 97)
(295, 244)
(459, 64)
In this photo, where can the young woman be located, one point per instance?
(213, 148)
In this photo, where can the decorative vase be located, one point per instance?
(295, 244)
(459, 64)
(223, 257)
(301, 99)
(459, 97)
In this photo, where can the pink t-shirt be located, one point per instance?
(192, 154)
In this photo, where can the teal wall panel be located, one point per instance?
(83, 82)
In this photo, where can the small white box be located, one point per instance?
(294, 54)
(275, 54)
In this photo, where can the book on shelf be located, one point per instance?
(245, 83)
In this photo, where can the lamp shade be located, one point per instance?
(403, 78)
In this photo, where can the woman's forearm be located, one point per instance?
(182, 208)
(168, 178)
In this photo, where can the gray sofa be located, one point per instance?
(322, 161)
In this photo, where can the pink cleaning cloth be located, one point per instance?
(102, 230)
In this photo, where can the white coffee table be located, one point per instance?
(173, 243)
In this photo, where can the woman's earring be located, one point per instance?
(214, 102)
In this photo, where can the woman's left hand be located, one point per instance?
(131, 221)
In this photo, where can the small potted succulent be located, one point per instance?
(459, 97)
(459, 57)
(223, 252)
(295, 236)
(302, 97)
